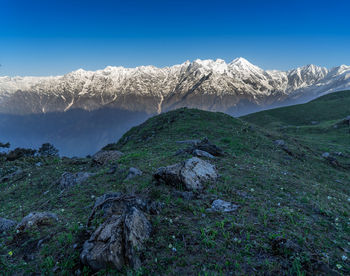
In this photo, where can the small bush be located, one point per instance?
(48, 149)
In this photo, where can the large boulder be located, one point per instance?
(104, 157)
(36, 219)
(7, 225)
(117, 241)
(68, 179)
(191, 174)
(105, 246)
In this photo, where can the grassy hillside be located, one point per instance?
(317, 123)
(326, 108)
(294, 205)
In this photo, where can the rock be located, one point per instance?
(219, 205)
(37, 219)
(117, 241)
(191, 174)
(18, 174)
(103, 157)
(326, 155)
(7, 225)
(68, 180)
(202, 153)
(133, 172)
(315, 122)
(118, 203)
(137, 230)
(280, 143)
(105, 246)
(208, 147)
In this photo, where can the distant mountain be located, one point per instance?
(237, 88)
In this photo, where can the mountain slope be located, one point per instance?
(238, 87)
(332, 107)
(292, 217)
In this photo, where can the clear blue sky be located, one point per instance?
(49, 37)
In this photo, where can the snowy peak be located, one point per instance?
(206, 84)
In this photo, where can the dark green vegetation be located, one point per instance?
(294, 204)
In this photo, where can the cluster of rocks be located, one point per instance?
(118, 241)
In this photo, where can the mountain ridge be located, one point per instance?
(205, 84)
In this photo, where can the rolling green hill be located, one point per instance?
(334, 106)
(294, 205)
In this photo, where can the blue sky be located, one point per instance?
(49, 37)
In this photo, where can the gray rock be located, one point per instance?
(326, 155)
(36, 219)
(122, 203)
(105, 246)
(117, 241)
(68, 180)
(219, 205)
(137, 229)
(7, 225)
(315, 122)
(133, 172)
(206, 146)
(104, 157)
(202, 153)
(191, 174)
(280, 143)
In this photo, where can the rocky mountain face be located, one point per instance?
(236, 88)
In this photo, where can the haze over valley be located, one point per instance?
(83, 110)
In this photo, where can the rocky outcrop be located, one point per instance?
(105, 157)
(68, 179)
(191, 174)
(119, 239)
(36, 219)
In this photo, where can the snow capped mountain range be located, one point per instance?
(237, 88)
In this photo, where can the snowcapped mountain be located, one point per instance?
(237, 87)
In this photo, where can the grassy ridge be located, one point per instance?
(330, 107)
(295, 198)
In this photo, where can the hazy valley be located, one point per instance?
(103, 104)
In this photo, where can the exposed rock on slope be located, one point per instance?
(191, 174)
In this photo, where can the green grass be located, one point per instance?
(301, 198)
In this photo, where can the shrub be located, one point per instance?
(48, 149)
